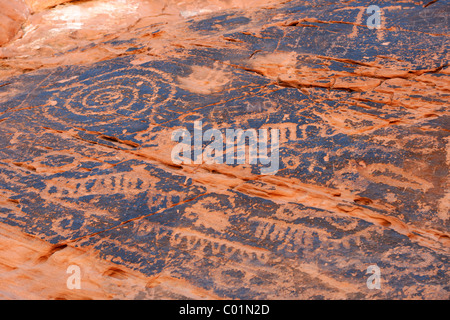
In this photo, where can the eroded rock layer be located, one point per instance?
(87, 112)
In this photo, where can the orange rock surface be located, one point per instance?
(91, 93)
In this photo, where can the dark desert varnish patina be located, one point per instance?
(85, 153)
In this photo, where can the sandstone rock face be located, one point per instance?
(13, 13)
(39, 5)
(35, 270)
(87, 177)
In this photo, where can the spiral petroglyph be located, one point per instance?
(111, 97)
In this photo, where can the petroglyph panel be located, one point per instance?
(86, 127)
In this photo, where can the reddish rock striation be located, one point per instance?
(92, 91)
(13, 13)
